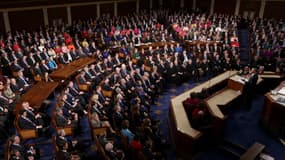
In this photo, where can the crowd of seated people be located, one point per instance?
(133, 76)
(267, 43)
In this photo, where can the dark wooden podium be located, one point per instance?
(273, 115)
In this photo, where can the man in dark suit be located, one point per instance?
(63, 153)
(26, 123)
(249, 88)
(38, 57)
(37, 118)
(22, 82)
(61, 120)
(31, 60)
(16, 67)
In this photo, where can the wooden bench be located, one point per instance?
(106, 93)
(81, 87)
(36, 95)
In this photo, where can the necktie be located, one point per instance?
(24, 80)
(97, 110)
(27, 119)
(4, 98)
(46, 67)
(74, 90)
(33, 60)
(68, 103)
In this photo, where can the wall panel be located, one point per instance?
(203, 5)
(252, 6)
(224, 7)
(188, 4)
(57, 14)
(274, 9)
(125, 8)
(172, 4)
(144, 4)
(2, 26)
(28, 20)
(107, 8)
(83, 12)
(155, 4)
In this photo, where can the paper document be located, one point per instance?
(282, 91)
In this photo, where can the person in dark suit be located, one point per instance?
(102, 99)
(31, 60)
(26, 123)
(118, 117)
(38, 71)
(16, 67)
(63, 121)
(249, 88)
(22, 82)
(75, 92)
(63, 153)
(61, 139)
(38, 57)
(15, 87)
(17, 145)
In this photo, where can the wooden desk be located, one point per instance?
(222, 97)
(252, 152)
(271, 75)
(70, 69)
(37, 94)
(189, 43)
(155, 44)
(273, 118)
(193, 43)
(236, 83)
(181, 130)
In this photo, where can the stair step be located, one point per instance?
(228, 150)
(235, 144)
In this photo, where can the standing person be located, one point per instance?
(250, 87)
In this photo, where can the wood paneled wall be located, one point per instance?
(83, 12)
(274, 9)
(252, 6)
(28, 20)
(32, 19)
(203, 5)
(107, 8)
(2, 26)
(125, 8)
(56, 14)
(144, 4)
(188, 4)
(224, 7)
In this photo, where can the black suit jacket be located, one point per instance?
(253, 80)
(38, 58)
(61, 121)
(30, 61)
(25, 124)
(21, 83)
